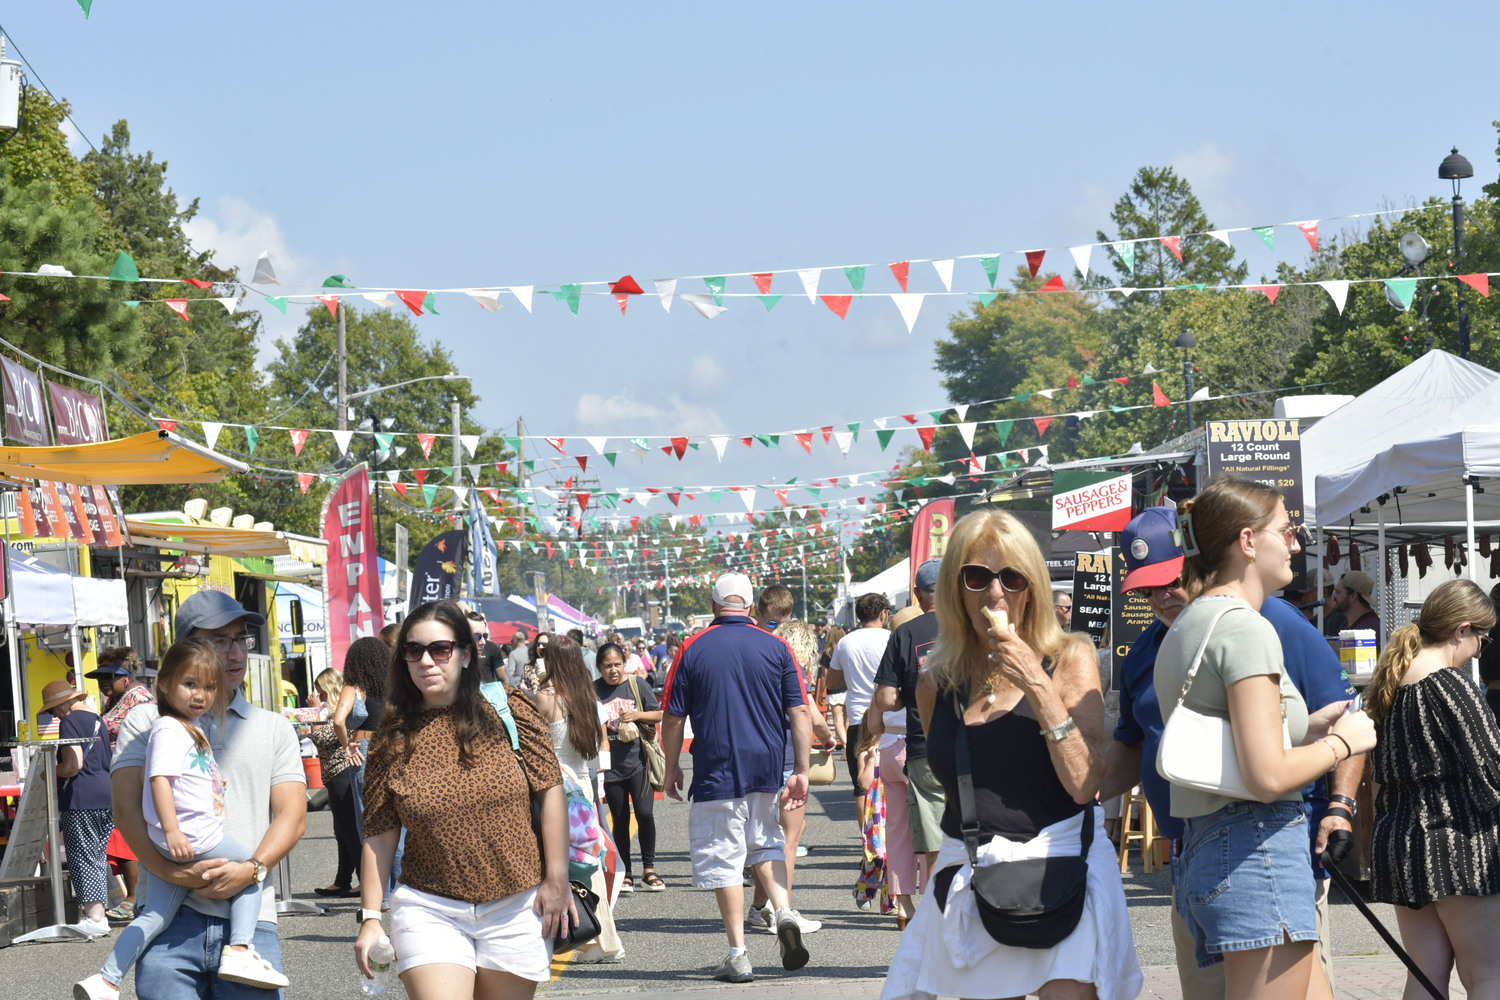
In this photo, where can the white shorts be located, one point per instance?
(727, 834)
(505, 934)
(837, 698)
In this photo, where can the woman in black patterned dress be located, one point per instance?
(1436, 843)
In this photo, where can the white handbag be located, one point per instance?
(1197, 750)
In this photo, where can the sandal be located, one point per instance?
(651, 882)
(123, 912)
(628, 885)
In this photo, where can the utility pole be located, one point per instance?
(806, 615)
(521, 474)
(343, 373)
(458, 458)
(666, 562)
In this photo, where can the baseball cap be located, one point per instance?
(108, 670)
(1360, 583)
(1151, 559)
(732, 590)
(210, 609)
(927, 575)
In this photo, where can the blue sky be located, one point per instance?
(460, 144)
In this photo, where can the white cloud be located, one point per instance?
(675, 416)
(72, 135)
(1212, 172)
(704, 373)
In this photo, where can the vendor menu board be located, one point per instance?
(1266, 451)
(1129, 616)
(1091, 588)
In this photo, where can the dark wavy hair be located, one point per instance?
(569, 680)
(472, 716)
(611, 647)
(367, 665)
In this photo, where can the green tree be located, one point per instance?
(1158, 204)
(39, 151)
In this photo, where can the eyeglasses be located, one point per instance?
(1483, 637)
(440, 651)
(977, 577)
(224, 643)
(1293, 532)
(1172, 584)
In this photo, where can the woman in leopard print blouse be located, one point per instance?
(479, 899)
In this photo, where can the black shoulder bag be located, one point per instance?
(1032, 903)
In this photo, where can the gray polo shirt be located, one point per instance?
(257, 749)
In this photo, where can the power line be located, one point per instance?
(82, 134)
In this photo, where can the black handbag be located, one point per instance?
(587, 928)
(1031, 903)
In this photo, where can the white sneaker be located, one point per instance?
(93, 928)
(249, 968)
(95, 987)
(761, 918)
(807, 925)
(789, 937)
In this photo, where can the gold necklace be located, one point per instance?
(989, 689)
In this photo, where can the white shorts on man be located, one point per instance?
(727, 834)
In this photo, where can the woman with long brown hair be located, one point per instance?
(1435, 850)
(568, 705)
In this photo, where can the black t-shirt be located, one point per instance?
(492, 664)
(905, 658)
(625, 758)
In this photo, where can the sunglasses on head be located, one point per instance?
(474, 616)
(977, 577)
(440, 651)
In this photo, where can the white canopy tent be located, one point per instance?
(893, 581)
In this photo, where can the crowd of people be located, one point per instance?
(456, 769)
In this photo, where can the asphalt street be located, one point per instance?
(673, 939)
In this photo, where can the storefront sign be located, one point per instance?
(77, 416)
(1090, 501)
(929, 534)
(351, 579)
(1265, 451)
(25, 420)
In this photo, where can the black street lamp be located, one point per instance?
(1186, 341)
(1455, 167)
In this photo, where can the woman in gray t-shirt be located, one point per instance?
(1242, 882)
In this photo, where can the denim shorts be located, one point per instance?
(1243, 880)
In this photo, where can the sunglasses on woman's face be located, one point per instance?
(440, 651)
(977, 577)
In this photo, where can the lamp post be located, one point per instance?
(1186, 342)
(1455, 167)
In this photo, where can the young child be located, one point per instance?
(184, 807)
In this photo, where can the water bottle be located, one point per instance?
(381, 956)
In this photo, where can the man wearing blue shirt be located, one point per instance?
(1153, 566)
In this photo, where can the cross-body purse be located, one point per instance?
(1197, 750)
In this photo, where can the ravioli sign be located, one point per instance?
(1090, 501)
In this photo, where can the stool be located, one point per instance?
(1152, 845)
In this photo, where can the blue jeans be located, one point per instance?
(184, 960)
(164, 901)
(358, 784)
(396, 863)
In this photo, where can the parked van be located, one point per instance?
(630, 628)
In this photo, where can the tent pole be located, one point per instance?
(1380, 618)
(1319, 530)
(19, 697)
(75, 637)
(1472, 552)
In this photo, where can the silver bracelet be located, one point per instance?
(1060, 731)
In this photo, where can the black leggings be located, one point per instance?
(618, 795)
(345, 830)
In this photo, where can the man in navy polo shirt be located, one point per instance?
(1153, 565)
(740, 685)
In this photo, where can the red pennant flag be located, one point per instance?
(1123, 380)
(679, 445)
(583, 462)
(666, 449)
(425, 440)
(421, 476)
(167, 425)
(500, 467)
(179, 306)
(1479, 282)
(622, 300)
(1034, 260)
(1054, 284)
(583, 499)
(1310, 230)
(674, 497)
(1270, 291)
(332, 302)
(900, 270)
(1042, 423)
(304, 480)
(299, 438)
(4, 298)
(749, 441)
(400, 489)
(569, 484)
(780, 495)
(1159, 398)
(1072, 381)
(762, 282)
(805, 440)
(197, 282)
(492, 493)
(556, 443)
(925, 433)
(838, 303)
(625, 286)
(827, 433)
(832, 481)
(1174, 244)
(549, 550)
(910, 418)
(413, 300)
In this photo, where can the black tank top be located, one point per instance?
(1016, 788)
(375, 709)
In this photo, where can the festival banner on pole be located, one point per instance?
(930, 529)
(438, 574)
(1090, 501)
(77, 416)
(351, 579)
(25, 421)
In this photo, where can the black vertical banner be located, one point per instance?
(440, 568)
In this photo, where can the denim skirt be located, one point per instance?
(1243, 880)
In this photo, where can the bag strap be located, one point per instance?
(1202, 646)
(494, 693)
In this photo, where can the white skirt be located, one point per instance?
(949, 953)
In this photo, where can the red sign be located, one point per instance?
(929, 535)
(351, 580)
(77, 416)
(25, 421)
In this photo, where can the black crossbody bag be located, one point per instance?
(1032, 903)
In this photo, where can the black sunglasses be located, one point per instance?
(440, 651)
(977, 577)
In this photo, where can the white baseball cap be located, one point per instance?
(732, 590)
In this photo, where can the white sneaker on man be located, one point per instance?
(249, 968)
(95, 987)
(789, 937)
(806, 924)
(736, 969)
(93, 928)
(762, 918)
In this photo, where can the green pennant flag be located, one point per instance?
(1117, 409)
(131, 303)
(278, 301)
(339, 281)
(716, 286)
(936, 415)
(86, 5)
(816, 491)
(513, 443)
(854, 427)
(985, 298)
(769, 301)
(1403, 289)
(641, 443)
(856, 276)
(609, 456)
(1022, 397)
(1126, 252)
(124, 269)
(792, 481)
(571, 294)
(252, 437)
(695, 445)
(1267, 235)
(1003, 428)
(383, 440)
(531, 465)
(1197, 287)
(1089, 380)
(428, 493)
(884, 437)
(536, 525)
(447, 470)
(715, 495)
(430, 304)
(991, 269)
(764, 439)
(918, 480)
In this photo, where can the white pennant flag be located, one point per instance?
(230, 303)
(470, 442)
(674, 521)
(705, 305)
(910, 304)
(644, 499)
(844, 439)
(597, 443)
(677, 550)
(1338, 291)
(1123, 292)
(265, 274)
(748, 495)
(665, 287)
(880, 422)
(488, 301)
(1081, 258)
(962, 409)
(966, 431)
(948, 479)
(211, 432)
(381, 299)
(944, 269)
(523, 293)
(1200, 396)
(473, 472)
(461, 495)
(391, 475)
(810, 278)
(719, 441)
(400, 450)
(1150, 369)
(1222, 235)
(342, 439)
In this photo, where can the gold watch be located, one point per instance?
(260, 869)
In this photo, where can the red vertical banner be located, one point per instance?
(929, 535)
(28, 506)
(106, 514)
(351, 580)
(59, 515)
